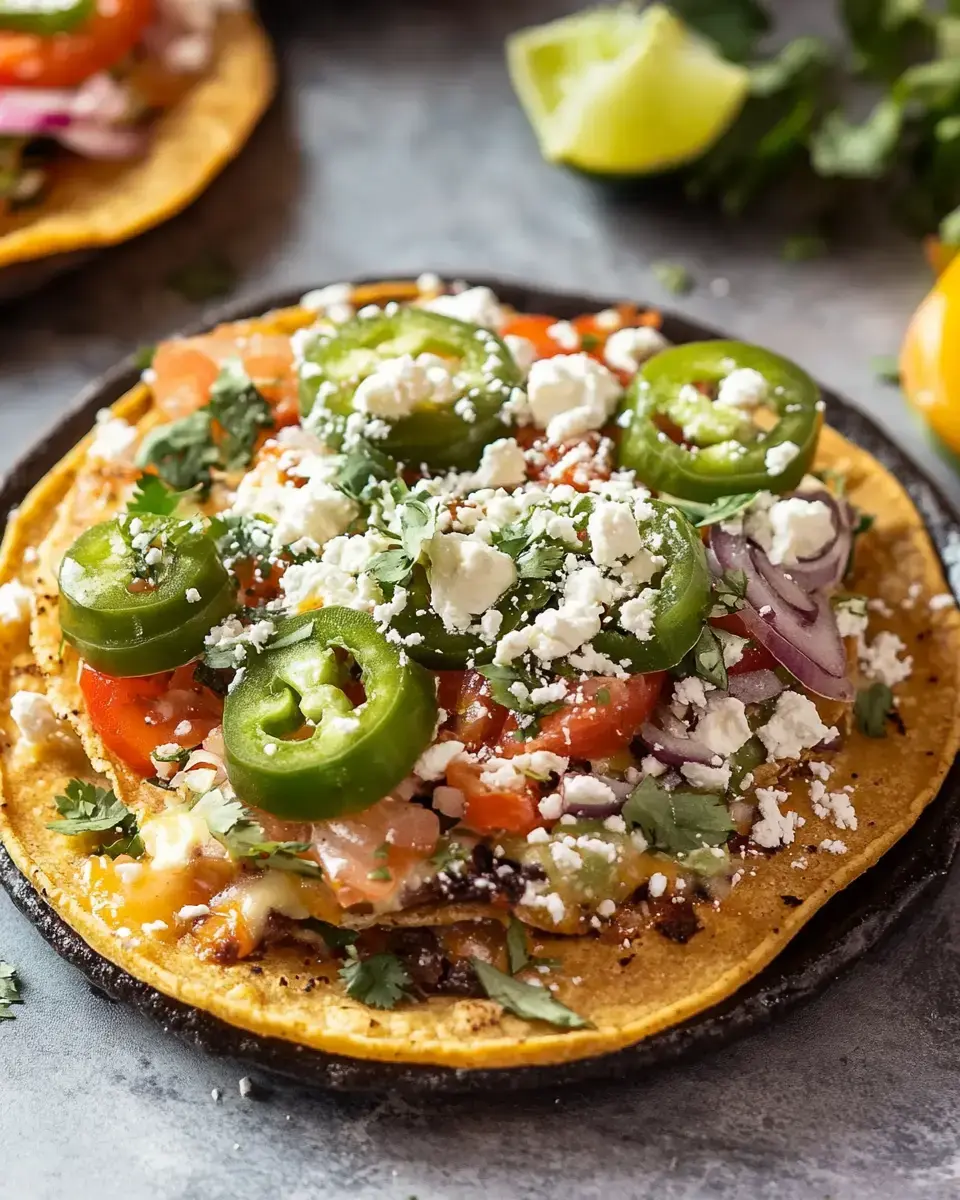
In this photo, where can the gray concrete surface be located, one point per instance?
(397, 147)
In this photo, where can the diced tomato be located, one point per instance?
(65, 60)
(134, 716)
(533, 327)
(366, 856)
(599, 719)
(479, 719)
(755, 658)
(185, 370)
(488, 808)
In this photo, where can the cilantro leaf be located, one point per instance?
(9, 991)
(182, 452)
(380, 980)
(517, 952)
(673, 277)
(244, 838)
(503, 678)
(734, 25)
(86, 808)
(418, 523)
(525, 1000)
(336, 936)
(677, 822)
(850, 150)
(390, 566)
(359, 465)
(707, 657)
(728, 593)
(703, 514)
(871, 708)
(208, 277)
(540, 561)
(240, 411)
(152, 497)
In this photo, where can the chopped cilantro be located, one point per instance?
(707, 657)
(380, 874)
(360, 465)
(183, 452)
(380, 980)
(511, 686)
(677, 822)
(702, 514)
(390, 566)
(525, 1000)
(673, 277)
(448, 853)
(540, 560)
(240, 411)
(517, 953)
(728, 593)
(208, 277)
(871, 708)
(9, 991)
(244, 838)
(151, 496)
(86, 809)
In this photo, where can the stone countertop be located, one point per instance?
(397, 147)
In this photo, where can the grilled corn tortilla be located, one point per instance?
(89, 203)
(625, 994)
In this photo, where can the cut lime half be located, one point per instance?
(621, 92)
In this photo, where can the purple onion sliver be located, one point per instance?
(673, 750)
(754, 687)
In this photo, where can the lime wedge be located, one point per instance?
(621, 92)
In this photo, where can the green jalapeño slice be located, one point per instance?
(723, 450)
(430, 386)
(45, 17)
(139, 595)
(296, 745)
(659, 626)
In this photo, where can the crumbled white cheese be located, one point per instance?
(335, 296)
(15, 603)
(312, 584)
(551, 806)
(708, 778)
(656, 885)
(503, 465)
(774, 827)
(540, 764)
(523, 350)
(744, 388)
(565, 335)
(779, 457)
(835, 805)
(627, 349)
(565, 857)
(833, 846)
(588, 791)
(613, 532)
(309, 515)
(33, 716)
(433, 762)
(795, 726)
(852, 616)
(880, 659)
(113, 438)
(941, 600)
(690, 691)
(724, 727)
(192, 596)
(399, 385)
(571, 394)
(799, 529)
(466, 577)
(476, 306)
(637, 614)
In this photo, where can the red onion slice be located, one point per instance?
(780, 628)
(754, 687)
(784, 585)
(675, 749)
(598, 809)
(794, 646)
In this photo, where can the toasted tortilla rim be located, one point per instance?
(533, 1047)
(90, 204)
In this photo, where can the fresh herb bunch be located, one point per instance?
(901, 53)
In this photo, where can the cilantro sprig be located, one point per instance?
(220, 435)
(871, 709)
(86, 809)
(418, 523)
(525, 1000)
(381, 980)
(244, 838)
(677, 822)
